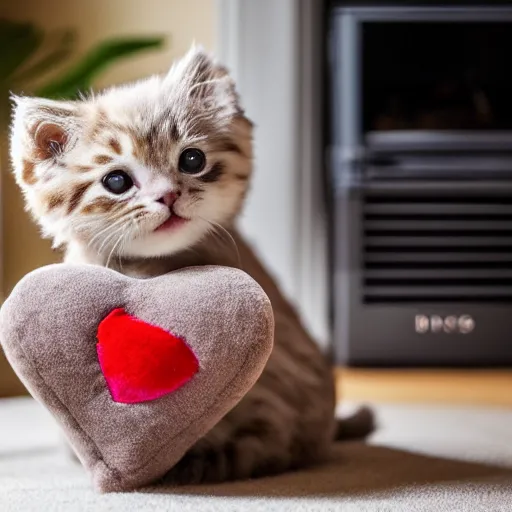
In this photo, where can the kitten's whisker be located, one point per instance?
(119, 252)
(134, 224)
(119, 220)
(216, 227)
(109, 237)
(120, 239)
(101, 232)
(131, 226)
(100, 237)
(112, 233)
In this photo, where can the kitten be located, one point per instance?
(147, 178)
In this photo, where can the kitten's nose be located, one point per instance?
(168, 199)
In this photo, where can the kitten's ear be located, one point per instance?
(41, 128)
(204, 80)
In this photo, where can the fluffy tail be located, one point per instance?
(358, 426)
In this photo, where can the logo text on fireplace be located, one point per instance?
(463, 324)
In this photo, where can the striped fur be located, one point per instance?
(61, 153)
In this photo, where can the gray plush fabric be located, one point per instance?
(422, 459)
(48, 329)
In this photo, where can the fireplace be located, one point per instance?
(421, 181)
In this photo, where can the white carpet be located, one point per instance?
(423, 458)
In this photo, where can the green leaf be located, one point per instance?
(61, 48)
(18, 42)
(80, 77)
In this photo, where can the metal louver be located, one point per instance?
(437, 228)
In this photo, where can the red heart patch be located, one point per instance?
(140, 361)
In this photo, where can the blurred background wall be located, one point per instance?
(180, 21)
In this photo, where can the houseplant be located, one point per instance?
(45, 64)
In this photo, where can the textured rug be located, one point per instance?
(422, 458)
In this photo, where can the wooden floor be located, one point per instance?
(467, 387)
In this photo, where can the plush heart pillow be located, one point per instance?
(135, 371)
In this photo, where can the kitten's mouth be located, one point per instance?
(173, 222)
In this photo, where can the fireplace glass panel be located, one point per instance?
(436, 76)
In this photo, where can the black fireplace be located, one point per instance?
(421, 180)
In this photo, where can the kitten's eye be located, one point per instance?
(117, 182)
(192, 161)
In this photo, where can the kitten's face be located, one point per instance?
(142, 170)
